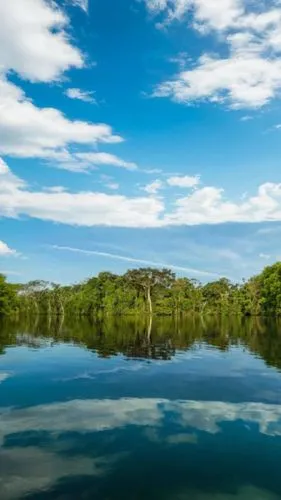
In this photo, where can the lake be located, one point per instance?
(125, 409)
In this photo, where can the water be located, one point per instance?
(127, 410)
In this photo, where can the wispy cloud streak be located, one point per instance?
(124, 258)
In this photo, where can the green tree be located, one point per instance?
(270, 289)
(8, 296)
(217, 296)
(147, 279)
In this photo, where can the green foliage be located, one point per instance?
(146, 279)
(8, 297)
(146, 291)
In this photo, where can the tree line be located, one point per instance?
(145, 291)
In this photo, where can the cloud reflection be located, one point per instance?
(99, 415)
(33, 469)
(28, 465)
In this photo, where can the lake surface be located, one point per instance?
(187, 409)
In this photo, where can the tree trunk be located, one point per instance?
(60, 311)
(149, 301)
(149, 327)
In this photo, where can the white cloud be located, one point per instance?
(81, 95)
(208, 205)
(35, 45)
(85, 208)
(156, 5)
(83, 162)
(185, 181)
(153, 187)
(204, 205)
(210, 14)
(219, 16)
(33, 40)
(82, 4)
(96, 159)
(29, 131)
(242, 82)
(250, 75)
(5, 250)
(134, 260)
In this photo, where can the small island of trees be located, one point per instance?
(145, 291)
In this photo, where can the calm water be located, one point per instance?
(124, 410)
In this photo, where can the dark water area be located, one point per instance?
(125, 409)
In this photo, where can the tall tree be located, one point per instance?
(149, 278)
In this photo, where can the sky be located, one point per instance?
(137, 133)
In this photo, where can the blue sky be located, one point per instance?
(137, 132)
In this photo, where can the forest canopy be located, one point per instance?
(145, 291)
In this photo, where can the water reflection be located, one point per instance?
(138, 338)
(129, 410)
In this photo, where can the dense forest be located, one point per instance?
(145, 291)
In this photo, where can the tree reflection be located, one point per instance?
(144, 338)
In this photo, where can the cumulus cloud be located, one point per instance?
(85, 208)
(208, 205)
(204, 205)
(81, 95)
(243, 82)
(250, 75)
(29, 131)
(34, 44)
(184, 181)
(5, 250)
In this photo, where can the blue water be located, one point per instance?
(113, 411)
